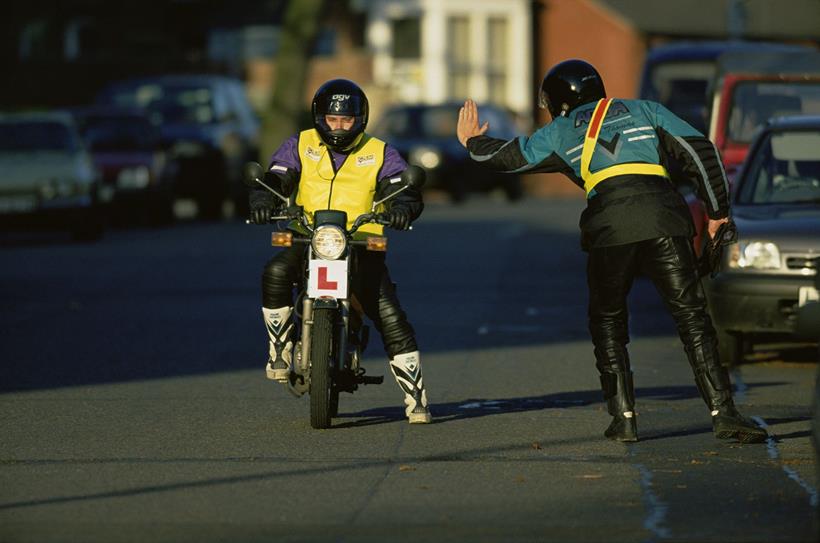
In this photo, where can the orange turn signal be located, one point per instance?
(376, 243)
(281, 239)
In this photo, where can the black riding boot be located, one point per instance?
(715, 387)
(619, 394)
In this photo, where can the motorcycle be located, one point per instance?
(331, 336)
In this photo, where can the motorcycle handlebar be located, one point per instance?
(291, 214)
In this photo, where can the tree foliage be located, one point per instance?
(297, 39)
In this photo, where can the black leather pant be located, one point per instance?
(671, 265)
(371, 288)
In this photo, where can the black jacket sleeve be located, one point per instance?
(505, 156)
(409, 199)
(283, 183)
(700, 162)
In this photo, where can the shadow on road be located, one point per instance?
(483, 407)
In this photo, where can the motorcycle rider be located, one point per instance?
(620, 152)
(336, 165)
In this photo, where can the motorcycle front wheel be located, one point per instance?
(321, 382)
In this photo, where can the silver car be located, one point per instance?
(47, 178)
(770, 273)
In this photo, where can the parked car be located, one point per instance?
(127, 151)
(47, 178)
(770, 273)
(680, 75)
(426, 135)
(207, 126)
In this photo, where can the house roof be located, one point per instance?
(754, 19)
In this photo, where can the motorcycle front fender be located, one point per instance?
(325, 303)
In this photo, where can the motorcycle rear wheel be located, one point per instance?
(321, 382)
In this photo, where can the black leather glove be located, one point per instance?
(712, 256)
(262, 206)
(400, 218)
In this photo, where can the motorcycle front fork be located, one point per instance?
(302, 362)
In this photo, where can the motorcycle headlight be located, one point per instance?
(759, 255)
(329, 242)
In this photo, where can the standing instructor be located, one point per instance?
(618, 151)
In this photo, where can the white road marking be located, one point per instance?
(774, 454)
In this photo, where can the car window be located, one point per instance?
(439, 122)
(36, 136)
(682, 88)
(395, 123)
(786, 170)
(754, 102)
(167, 103)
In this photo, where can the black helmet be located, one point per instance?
(568, 85)
(340, 97)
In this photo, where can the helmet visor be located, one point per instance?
(341, 104)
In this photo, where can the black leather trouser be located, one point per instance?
(670, 264)
(371, 287)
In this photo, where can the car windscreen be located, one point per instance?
(28, 136)
(119, 134)
(784, 170)
(754, 102)
(682, 88)
(166, 103)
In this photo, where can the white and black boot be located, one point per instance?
(280, 351)
(406, 369)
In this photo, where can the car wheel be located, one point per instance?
(730, 348)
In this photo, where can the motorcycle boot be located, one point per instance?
(619, 393)
(406, 368)
(714, 385)
(279, 323)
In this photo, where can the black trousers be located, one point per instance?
(671, 265)
(371, 288)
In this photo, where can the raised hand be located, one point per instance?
(468, 125)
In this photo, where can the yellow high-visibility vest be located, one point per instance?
(351, 189)
(591, 138)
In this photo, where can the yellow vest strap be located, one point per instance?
(591, 138)
(635, 168)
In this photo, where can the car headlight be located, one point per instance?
(759, 255)
(329, 242)
(428, 157)
(134, 178)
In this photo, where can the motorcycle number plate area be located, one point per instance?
(327, 278)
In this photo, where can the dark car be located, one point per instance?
(47, 178)
(426, 135)
(770, 273)
(207, 126)
(128, 154)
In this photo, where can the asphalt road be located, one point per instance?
(134, 407)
